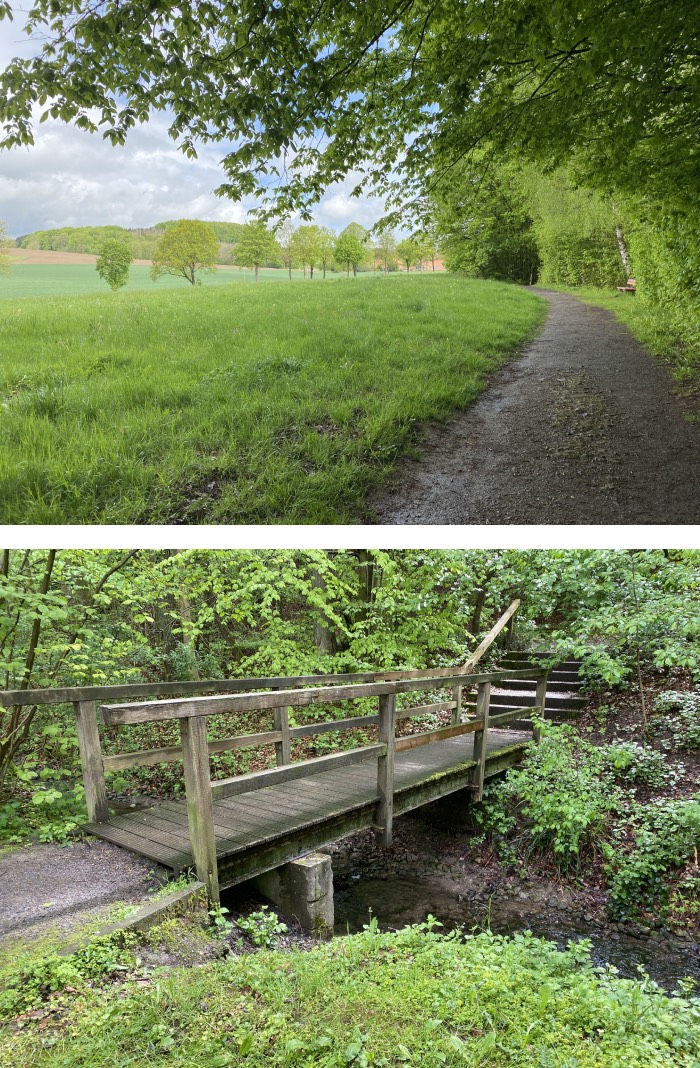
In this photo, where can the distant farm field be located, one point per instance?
(54, 279)
(246, 404)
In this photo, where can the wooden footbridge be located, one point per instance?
(233, 829)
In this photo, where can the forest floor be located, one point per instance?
(585, 427)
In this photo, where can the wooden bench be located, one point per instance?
(630, 287)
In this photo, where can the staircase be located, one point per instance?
(563, 701)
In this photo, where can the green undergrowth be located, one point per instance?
(281, 403)
(376, 999)
(658, 332)
(586, 810)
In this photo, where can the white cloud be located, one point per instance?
(72, 178)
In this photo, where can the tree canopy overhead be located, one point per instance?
(399, 90)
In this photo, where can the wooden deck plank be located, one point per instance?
(250, 821)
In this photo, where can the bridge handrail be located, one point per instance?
(220, 704)
(202, 792)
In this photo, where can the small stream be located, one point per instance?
(401, 899)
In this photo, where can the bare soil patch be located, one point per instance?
(585, 427)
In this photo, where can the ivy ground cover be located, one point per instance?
(279, 403)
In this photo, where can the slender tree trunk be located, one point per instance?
(354, 271)
(311, 270)
(324, 636)
(348, 270)
(478, 609)
(290, 270)
(256, 272)
(624, 253)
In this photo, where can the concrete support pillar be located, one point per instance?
(302, 888)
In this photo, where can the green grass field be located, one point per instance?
(245, 404)
(66, 280)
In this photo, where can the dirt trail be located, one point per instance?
(583, 428)
(52, 885)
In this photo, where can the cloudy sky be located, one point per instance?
(71, 178)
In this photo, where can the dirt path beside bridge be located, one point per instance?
(585, 427)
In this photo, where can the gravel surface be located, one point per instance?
(43, 884)
(585, 427)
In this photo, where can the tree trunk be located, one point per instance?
(311, 272)
(624, 253)
(324, 636)
(256, 272)
(478, 609)
(290, 270)
(354, 271)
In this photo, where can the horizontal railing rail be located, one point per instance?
(154, 711)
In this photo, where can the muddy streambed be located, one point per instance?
(429, 872)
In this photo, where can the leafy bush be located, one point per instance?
(685, 724)
(57, 806)
(666, 839)
(262, 927)
(563, 796)
(633, 764)
(34, 983)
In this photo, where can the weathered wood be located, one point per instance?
(385, 769)
(424, 710)
(283, 748)
(329, 725)
(540, 702)
(91, 761)
(510, 716)
(490, 638)
(457, 710)
(413, 741)
(483, 698)
(258, 780)
(152, 711)
(200, 816)
(169, 753)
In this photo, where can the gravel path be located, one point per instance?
(49, 885)
(585, 427)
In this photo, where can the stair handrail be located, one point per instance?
(490, 638)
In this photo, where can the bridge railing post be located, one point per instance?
(457, 710)
(283, 749)
(91, 761)
(200, 810)
(385, 770)
(540, 701)
(483, 700)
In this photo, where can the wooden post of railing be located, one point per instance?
(483, 700)
(283, 749)
(200, 812)
(457, 710)
(385, 769)
(540, 701)
(91, 760)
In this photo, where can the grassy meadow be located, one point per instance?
(67, 280)
(240, 404)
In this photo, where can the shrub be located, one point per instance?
(685, 724)
(633, 764)
(563, 794)
(666, 838)
(262, 927)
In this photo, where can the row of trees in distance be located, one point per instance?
(189, 247)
